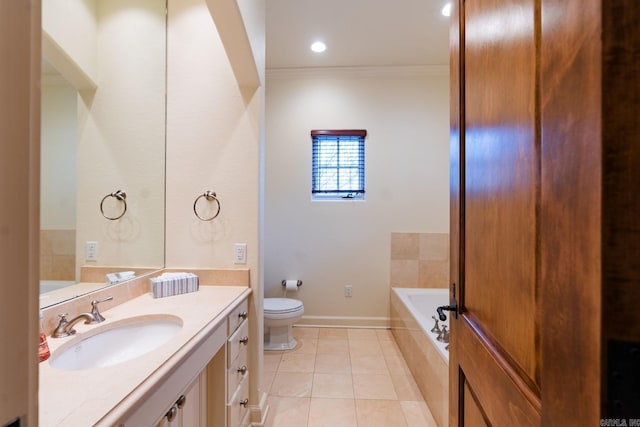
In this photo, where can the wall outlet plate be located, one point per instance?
(348, 291)
(240, 253)
(91, 251)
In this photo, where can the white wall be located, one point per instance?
(73, 25)
(328, 245)
(59, 155)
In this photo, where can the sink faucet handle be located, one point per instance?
(97, 317)
(94, 302)
(63, 319)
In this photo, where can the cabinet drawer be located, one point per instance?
(238, 370)
(238, 342)
(237, 316)
(237, 407)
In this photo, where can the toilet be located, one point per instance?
(279, 316)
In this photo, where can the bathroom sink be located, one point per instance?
(116, 342)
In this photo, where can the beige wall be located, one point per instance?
(121, 132)
(229, 125)
(58, 177)
(212, 144)
(214, 138)
(120, 122)
(328, 245)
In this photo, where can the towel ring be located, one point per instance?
(119, 195)
(209, 195)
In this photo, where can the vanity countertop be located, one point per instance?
(89, 396)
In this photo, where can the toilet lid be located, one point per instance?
(281, 305)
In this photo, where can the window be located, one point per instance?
(337, 164)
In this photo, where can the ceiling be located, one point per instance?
(358, 33)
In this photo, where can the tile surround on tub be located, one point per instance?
(419, 260)
(57, 254)
(429, 370)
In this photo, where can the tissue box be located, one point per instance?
(119, 276)
(169, 284)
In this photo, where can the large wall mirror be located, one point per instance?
(103, 131)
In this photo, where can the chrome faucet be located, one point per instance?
(97, 317)
(65, 327)
(436, 327)
(444, 335)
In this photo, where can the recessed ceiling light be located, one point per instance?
(446, 9)
(318, 47)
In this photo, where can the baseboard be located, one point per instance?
(259, 412)
(344, 322)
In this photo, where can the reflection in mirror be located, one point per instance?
(103, 130)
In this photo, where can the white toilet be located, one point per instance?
(279, 316)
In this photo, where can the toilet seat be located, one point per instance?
(279, 306)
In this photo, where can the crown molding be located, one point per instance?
(332, 72)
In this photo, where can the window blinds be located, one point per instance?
(338, 163)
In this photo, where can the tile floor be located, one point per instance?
(342, 378)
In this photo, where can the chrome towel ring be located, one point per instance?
(210, 196)
(119, 195)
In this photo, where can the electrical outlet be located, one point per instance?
(348, 291)
(240, 253)
(91, 251)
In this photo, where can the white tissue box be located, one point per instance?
(119, 276)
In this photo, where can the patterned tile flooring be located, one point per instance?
(339, 377)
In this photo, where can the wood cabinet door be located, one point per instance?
(495, 178)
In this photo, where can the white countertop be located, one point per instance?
(85, 397)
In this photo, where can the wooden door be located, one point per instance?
(544, 217)
(496, 359)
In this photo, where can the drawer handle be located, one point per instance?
(171, 415)
(244, 340)
(242, 370)
(181, 401)
(244, 402)
(243, 315)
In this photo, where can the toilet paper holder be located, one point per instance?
(299, 283)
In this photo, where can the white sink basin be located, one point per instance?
(116, 342)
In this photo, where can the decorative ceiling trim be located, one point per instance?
(388, 71)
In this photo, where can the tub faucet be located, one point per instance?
(444, 335)
(436, 327)
(65, 327)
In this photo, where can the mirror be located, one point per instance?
(103, 131)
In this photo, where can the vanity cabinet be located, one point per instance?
(237, 374)
(209, 387)
(182, 391)
(232, 387)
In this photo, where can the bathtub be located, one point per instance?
(428, 361)
(52, 285)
